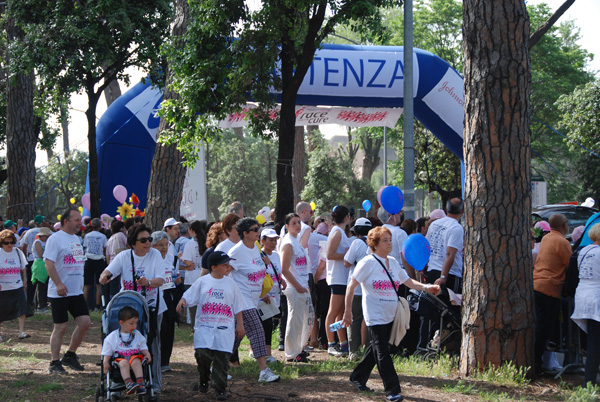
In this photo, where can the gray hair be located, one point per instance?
(383, 215)
(183, 228)
(158, 236)
(96, 223)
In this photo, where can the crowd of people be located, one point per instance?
(328, 282)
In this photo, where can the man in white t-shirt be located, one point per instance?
(171, 226)
(94, 244)
(398, 236)
(64, 259)
(446, 239)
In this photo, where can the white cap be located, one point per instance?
(589, 202)
(362, 222)
(268, 232)
(170, 222)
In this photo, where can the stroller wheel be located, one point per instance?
(99, 393)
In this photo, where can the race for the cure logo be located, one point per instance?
(216, 293)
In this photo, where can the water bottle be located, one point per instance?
(336, 326)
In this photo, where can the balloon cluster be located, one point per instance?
(126, 210)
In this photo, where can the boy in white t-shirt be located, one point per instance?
(218, 322)
(129, 348)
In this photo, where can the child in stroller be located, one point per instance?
(129, 352)
(114, 377)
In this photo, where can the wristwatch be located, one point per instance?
(442, 276)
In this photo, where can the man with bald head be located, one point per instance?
(548, 280)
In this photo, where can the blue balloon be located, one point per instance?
(392, 199)
(366, 205)
(416, 251)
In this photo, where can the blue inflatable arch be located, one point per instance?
(341, 75)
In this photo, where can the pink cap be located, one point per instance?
(577, 233)
(437, 214)
(322, 228)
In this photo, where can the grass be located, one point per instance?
(49, 387)
(589, 393)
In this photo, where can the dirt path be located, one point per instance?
(24, 365)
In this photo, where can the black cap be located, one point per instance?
(217, 258)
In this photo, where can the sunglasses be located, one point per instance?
(253, 230)
(144, 239)
(10, 242)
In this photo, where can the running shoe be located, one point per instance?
(268, 376)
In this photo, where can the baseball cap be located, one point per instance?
(21, 230)
(170, 222)
(9, 224)
(38, 219)
(362, 222)
(218, 258)
(437, 214)
(322, 228)
(268, 232)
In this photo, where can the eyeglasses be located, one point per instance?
(144, 239)
(9, 242)
(253, 230)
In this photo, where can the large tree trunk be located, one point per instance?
(112, 92)
(93, 179)
(498, 314)
(21, 140)
(371, 146)
(168, 174)
(299, 164)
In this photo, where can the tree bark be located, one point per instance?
(168, 173)
(498, 314)
(21, 140)
(371, 147)
(112, 92)
(541, 31)
(93, 179)
(64, 123)
(299, 164)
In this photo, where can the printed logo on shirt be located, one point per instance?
(10, 261)
(69, 260)
(76, 251)
(218, 294)
(217, 309)
(128, 352)
(384, 286)
(257, 276)
(10, 271)
(300, 261)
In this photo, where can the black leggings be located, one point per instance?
(268, 328)
(593, 351)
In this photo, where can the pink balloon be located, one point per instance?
(120, 193)
(379, 194)
(85, 201)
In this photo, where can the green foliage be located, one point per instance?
(68, 174)
(239, 169)
(589, 393)
(331, 181)
(581, 122)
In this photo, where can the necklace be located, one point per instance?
(127, 342)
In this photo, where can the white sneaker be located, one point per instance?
(228, 376)
(335, 352)
(271, 359)
(268, 376)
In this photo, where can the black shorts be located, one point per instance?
(92, 269)
(338, 289)
(61, 306)
(13, 304)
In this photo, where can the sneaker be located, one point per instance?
(72, 362)
(301, 358)
(271, 359)
(166, 369)
(41, 310)
(333, 351)
(132, 387)
(24, 335)
(203, 387)
(56, 368)
(281, 347)
(221, 396)
(141, 389)
(268, 376)
(394, 397)
(308, 348)
(359, 386)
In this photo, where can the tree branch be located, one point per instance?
(541, 31)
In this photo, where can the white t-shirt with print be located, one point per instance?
(169, 271)
(248, 272)
(380, 300)
(116, 344)
(299, 268)
(225, 246)
(313, 250)
(218, 301)
(357, 251)
(191, 253)
(67, 253)
(275, 292)
(149, 266)
(94, 244)
(443, 233)
(11, 265)
(29, 239)
(337, 273)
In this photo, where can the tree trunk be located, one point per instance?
(21, 140)
(371, 147)
(93, 179)
(498, 314)
(309, 133)
(64, 123)
(299, 164)
(112, 92)
(168, 173)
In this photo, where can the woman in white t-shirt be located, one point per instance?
(337, 278)
(142, 270)
(193, 251)
(13, 302)
(295, 269)
(379, 303)
(37, 251)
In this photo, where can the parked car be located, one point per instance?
(576, 215)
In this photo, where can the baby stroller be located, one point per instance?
(448, 337)
(111, 384)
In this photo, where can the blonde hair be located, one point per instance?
(594, 233)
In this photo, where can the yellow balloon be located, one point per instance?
(58, 217)
(72, 200)
(80, 210)
(313, 206)
(260, 219)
